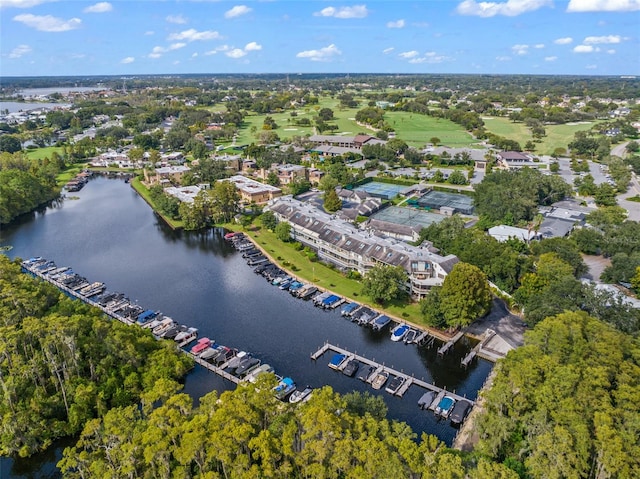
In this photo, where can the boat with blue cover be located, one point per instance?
(284, 285)
(284, 388)
(445, 406)
(349, 308)
(380, 322)
(147, 316)
(337, 360)
(329, 302)
(295, 286)
(399, 331)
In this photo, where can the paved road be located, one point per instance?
(509, 326)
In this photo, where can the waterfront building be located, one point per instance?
(252, 191)
(342, 244)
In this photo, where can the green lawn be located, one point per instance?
(558, 136)
(417, 130)
(324, 277)
(144, 192)
(40, 153)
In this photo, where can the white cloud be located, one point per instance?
(386, 51)
(585, 49)
(127, 60)
(324, 54)
(430, 57)
(100, 7)
(21, 3)
(193, 35)
(410, 54)
(520, 49)
(603, 5)
(503, 58)
(357, 11)
(611, 51)
(510, 8)
(237, 11)
(538, 45)
(603, 39)
(550, 59)
(158, 50)
(591, 67)
(149, 32)
(177, 19)
(236, 53)
(252, 47)
(20, 50)
(396, 24)
(563, 41)
(48, 23)
(194, 55)
(222, 48)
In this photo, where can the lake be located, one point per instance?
(110, 234)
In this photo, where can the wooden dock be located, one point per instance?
(215, 369)
(442, 350)
(409, 380)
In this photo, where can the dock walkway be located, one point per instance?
(409, 380)
(442, 350)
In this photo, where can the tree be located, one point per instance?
(332, 201)
(435, 141)
(635, 281)
(224, 200)
(465, 295)
(325, 114)
(385, 283)
(430, 307)
(268, 220)
(10, 143)
(283, 231)
(272, 179)
(457, 178)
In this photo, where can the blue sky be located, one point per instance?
(49, 37)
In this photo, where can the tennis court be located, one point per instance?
(407, 216)
(386, 191)
(437, 199)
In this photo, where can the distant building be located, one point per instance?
(252, 191)
(504, 233)
(334, 145)
(514, 159)
(170, 174)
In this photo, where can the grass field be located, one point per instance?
(558, 136)
(413, 128)
(40, 153)
(417, 130)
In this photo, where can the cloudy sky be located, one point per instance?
(49, 37)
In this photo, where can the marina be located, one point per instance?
(407, 382)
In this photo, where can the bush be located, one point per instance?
(298, 246)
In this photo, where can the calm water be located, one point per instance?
(14, 106)
(111, 235)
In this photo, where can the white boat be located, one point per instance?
(399, 332)
(183, 335)
(298, 395)
(252, 377)
(164, 326)
(379, 380)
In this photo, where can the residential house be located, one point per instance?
(514, 159)
(252, 191)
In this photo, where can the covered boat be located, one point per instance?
(395, 384)
(460, 411)
(351, 368)
(427, 399)
(337, 360)
(284, 388)
(399, 331)
(445, 406)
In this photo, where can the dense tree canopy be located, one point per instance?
(24, 185)
(385, 283)
(512, 196)
(565, 404)
(465, 295)
(63, 363)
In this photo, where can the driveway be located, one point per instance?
(509, 326)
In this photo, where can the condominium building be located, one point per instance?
(341, 243)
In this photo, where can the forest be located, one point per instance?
(25, 184)
(63, 363)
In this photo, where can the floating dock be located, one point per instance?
(409, 380)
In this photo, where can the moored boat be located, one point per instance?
(460, 411)
(395, 384)
(246, 366)
(445, 406)
(365, 372)
(351, 368)
(380, 322)
(337, 360)
(348, 309)
(410, 337)
(379, 380)
(427, 399)
(284, 388)
(252, 377)
(399, 331)
(201, 345)
(298, 395)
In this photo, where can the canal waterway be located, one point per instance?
(108, 233)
